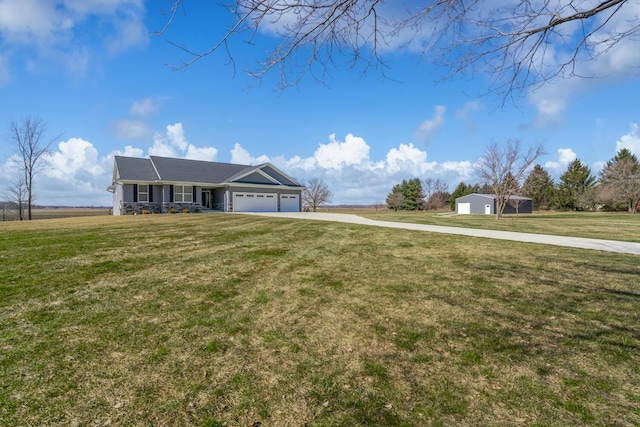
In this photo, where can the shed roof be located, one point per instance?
(493, 196)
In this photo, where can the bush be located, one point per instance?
(185, 210)
(172, 211)
(145, 212)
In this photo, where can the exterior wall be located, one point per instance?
(525, 207)
(117, 199)
(477, 205)
(123, 198)
(127, 193)
(277, 191)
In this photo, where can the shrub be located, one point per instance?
(172, 211)
(145, 212)
(185, 210)
(196, 210)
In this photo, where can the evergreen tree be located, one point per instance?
(462, 190)
(573, 183)
(413, 196)
(620, 181)
(539, 187)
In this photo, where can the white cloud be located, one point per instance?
(143, 107)
(406, 158)
(336, 155)
(132, 130)
(362, 180)
(630, 141)
(61, 32)
(241, 156)
(565, 156)
(430, 127)
(201, 153)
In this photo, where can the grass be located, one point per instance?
(598, 225)
(213, 320)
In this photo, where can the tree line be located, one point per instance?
(615, 188)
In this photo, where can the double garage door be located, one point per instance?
(264, 202)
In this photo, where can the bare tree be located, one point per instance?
(518, 44)
(17, 194)
(31, 143)
(503, 168)
(315, 194)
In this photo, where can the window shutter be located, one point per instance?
(150, 193)
(194, 194)
(171, 193)
(135, 193)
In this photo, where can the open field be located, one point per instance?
(215, 319)
(65, 212)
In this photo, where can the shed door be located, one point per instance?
(255, 202)
(487, 209)
(289, 203)
(464, 208)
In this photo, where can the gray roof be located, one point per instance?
(135, 169)
(493, 196)
(169, 169)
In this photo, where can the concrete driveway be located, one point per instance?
(572, 242)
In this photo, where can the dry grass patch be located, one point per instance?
(229, 319)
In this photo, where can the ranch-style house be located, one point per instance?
(162, 184)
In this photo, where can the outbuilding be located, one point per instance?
(485, 204)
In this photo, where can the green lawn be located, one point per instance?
(598, 225)
(215, 319)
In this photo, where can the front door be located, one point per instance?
(206, 199)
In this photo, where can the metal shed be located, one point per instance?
(485, 204)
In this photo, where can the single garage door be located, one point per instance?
(464, 208)
(289, 203)
(255, 202)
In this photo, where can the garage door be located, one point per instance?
(289, 203)
(464, 208)
(255, 202)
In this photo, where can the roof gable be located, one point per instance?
(134, 169)
(168, 169)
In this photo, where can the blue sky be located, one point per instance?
(93, 72)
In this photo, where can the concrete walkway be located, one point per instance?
(572, 242)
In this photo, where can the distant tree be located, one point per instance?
(378, 206)
(315, 194)
(462, 190)
(620, 181)
(30, 141)
(573, 183)
(17, 195)
(538, 186)
(504, 166)
(437, 201)
(412, 192)
(430, 186)
(396, 200)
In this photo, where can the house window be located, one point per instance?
(143, 193)
(183, 193)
